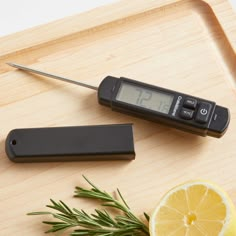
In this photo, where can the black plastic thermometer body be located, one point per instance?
(181, 111)
(178, 110)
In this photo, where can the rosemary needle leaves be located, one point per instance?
(99, 223)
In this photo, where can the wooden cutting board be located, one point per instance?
(186, 45)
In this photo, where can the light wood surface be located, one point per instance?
(185, 45)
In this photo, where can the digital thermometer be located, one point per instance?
(175, 109)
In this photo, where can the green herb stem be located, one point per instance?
(99, 223)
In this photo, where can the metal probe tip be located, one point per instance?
(31, 70)
(10, 64)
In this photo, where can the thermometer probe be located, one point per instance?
(175, 109)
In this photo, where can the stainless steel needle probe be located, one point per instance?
(21, 67)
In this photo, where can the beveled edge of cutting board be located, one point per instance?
(39, 35)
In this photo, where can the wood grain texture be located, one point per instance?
(184, 45)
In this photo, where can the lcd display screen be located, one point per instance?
(144, 97)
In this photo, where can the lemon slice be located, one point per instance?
(196, 208)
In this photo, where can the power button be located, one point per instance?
(203, 112)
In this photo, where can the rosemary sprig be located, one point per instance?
(99, 223)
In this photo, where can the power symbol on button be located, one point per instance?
(203, 111)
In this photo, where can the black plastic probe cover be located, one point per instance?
(80, 143)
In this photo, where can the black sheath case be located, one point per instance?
(76, 143)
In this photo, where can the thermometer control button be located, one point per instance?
(203, 112)
(186, 114)
(190, 103)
